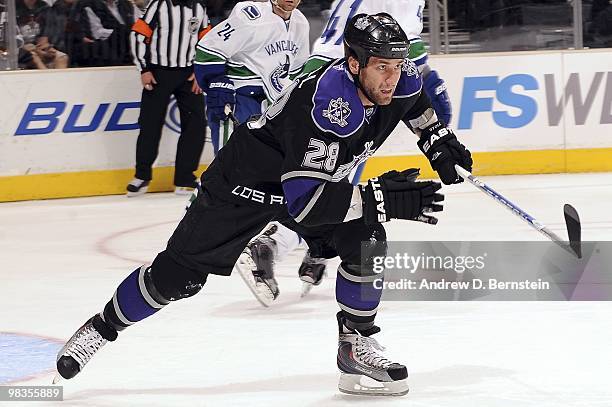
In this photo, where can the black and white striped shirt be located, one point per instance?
(167, 34)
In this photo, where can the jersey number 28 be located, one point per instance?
(320, 156)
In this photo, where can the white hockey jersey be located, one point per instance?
(258, 47)
(408, 13)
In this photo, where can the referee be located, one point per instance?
(163, 44)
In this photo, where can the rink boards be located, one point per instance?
(73, 132)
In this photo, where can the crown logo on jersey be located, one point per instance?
(362, 23)
(337, 112)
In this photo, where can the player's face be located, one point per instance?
(379, 78)
(288, 5)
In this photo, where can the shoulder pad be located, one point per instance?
(410, 82)
(301, 17)
(336, 105)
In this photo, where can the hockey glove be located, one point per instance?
(396, 195)
(436, 90)
(220, 92)
(443, 150)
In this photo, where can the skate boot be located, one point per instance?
(79, 349)
(363, 368)
(311, 272)
(256, 267)
(137, 187)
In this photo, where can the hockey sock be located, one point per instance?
(358, 296)
(134, 300)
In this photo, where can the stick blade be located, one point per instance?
(574, 230)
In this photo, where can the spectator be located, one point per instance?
(104, 32)
(29, 18)
(57, 28)
(602, 25)
(139, 7)
(36, 52)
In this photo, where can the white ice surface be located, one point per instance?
(61, 260)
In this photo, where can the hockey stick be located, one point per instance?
(228, 111)
(572, 221)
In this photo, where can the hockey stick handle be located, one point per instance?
(533, 222)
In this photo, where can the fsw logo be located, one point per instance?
(516, 91)
(42, 118)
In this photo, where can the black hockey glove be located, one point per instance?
(396, 195)
(443, 150)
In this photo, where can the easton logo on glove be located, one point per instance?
(380, 200)
(435, 137)
(441, 147)
(397, 195)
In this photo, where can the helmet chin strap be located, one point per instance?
(275, 3)
(360, 86)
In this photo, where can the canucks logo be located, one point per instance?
(251, 12)
(279, 73)
(337, 112)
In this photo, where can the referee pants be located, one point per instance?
(153, 107)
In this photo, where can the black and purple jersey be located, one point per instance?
(302, 150)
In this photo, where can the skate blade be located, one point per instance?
(366, 386)
(306, 287)
(141, 192)
(245, 265)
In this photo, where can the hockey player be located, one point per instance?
(409, 15)
(294, 161)
(244, 63)
(256, 265)
(248, 59)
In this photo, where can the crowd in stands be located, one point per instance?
(79, 33)
(85, 33)
(474, 15)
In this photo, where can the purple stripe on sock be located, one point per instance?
(360, 296)
(131, 302)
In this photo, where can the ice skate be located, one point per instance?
(311, 272)
(189, 189)
(364, 370)
(137, 187)
(81, 347)
(255, 266)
